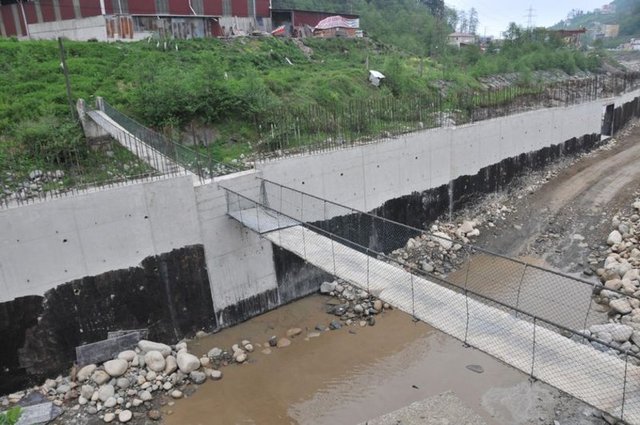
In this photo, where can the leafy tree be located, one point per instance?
(473, 21)
(11, 416)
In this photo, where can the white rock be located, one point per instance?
(621, 306)
(127, 355)
(176, 394)
(240, 357)
(197, 377)
(109, 417)
(145, 395)
(614, 238)
(171, 365)
(216, 375)
(136, 402)
(116, 367)
(249, 348)
(125, 416)
(123, 383)
(204, 361)
(100, 377)
(146, 346)
(82, 401)
(151, 376)
(167, 386)
(110, 402)
(466, 226)
(181, 346)
(86, 372)
(633, 274)
(105, 391)
(443, 239)
(328, 287)
(155, 361)
(187, 363)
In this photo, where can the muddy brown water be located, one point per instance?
(338, 377)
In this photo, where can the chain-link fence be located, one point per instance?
(316, 128)
(532, 318)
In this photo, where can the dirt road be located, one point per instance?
(569, 217)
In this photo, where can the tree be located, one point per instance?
(463, 23)
(473, 21)
(436, 8)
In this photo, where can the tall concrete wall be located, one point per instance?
(82, 29)
(366, 176)
(46, 244)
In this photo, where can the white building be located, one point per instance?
(461, 38)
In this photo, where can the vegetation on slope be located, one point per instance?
(230, 86)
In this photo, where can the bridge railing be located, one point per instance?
(541, 347)
(560, 298)
(194, 160)
(313, 128)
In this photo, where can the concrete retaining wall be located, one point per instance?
(81, 29)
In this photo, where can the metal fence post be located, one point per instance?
(333, 254)
(533, 349)
(413, 297)
(368, 279)
(524, 271)
(624, 386)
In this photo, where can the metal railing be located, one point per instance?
(317, 128)
(201, 164)
(525, 326)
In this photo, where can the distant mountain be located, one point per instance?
(625, 13)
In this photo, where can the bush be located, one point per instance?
(11, 416)
(51, 140)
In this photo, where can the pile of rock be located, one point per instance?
(123, 388)
(620, 290)
(354, 307)
(440, 251)
(13, 188)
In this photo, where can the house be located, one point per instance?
(376, 77)
(303, 22)
(132, 19)
(461, 39)
(337, 26)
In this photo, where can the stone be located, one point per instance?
(614, 238)
(371, 321)
(443, 239)
(334, 325)
(110, 402)
(201, 334)
(167, 386)
(109, 417)
(266, 351)
(293, 332)
(613, 284)
(273, 341)
(35, 174)
(327, 287)
(125, 416)
(116, 367)
(377, 305)
(283, 342)
(136, 402)
(82, 401)
(187, 363)
(106, 391)
(155, 360)
(475, 368)
(204, 361)
(197, 377)
(146, 346)
(145, 395)
(632, 274)
(154, 415)
(176, 394)
(466, 226)
(151, 376)
(427, 266)
(249, 348)
(621, 306)
(63, 389)
(171, 365)
(86, 372)
(87, 391)
(358, 309)
(240, 357)
(127, 355)
(216, 375)
(215, 353)
(123, 383)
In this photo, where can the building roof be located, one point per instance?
(337, 22)
(461, 34)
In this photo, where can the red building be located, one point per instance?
(84, 19)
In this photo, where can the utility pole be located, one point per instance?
(24, 19)
(65, 70)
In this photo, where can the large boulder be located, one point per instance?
(155, 361)
(116, 367)
(187, 363)
(621, 306)
(86, 372)
(614, 238)
(146, 346)
(106, 391)
(443, 239)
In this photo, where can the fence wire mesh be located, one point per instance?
(521, 314)
(316, 128)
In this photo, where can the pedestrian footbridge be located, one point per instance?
(315, 230)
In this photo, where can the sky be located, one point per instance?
(495, 15)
